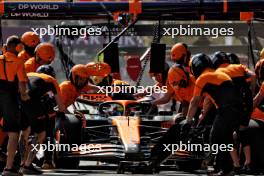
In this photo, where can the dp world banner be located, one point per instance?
(33, 1)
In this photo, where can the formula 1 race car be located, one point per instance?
(125, 133)
(118, 131)
(129, 134)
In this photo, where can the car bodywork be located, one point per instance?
(119, 131)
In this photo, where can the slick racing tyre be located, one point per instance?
(73, 130)
(257, 145)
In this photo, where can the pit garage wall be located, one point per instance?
(84, 50)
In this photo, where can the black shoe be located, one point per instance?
(2, 156)
(30, 170)
(11, 172)
(222, 173)
(237, 170)
(246, 169)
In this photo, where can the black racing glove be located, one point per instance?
(186, 125)
(59, 124)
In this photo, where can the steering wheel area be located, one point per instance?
(111, 109)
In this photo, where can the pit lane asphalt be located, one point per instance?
(85, 170)
(113, 173)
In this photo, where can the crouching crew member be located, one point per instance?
(242, 77)
(78, 83)
(43, 89)
(44, 54)
(180, 85)
(219, 87)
